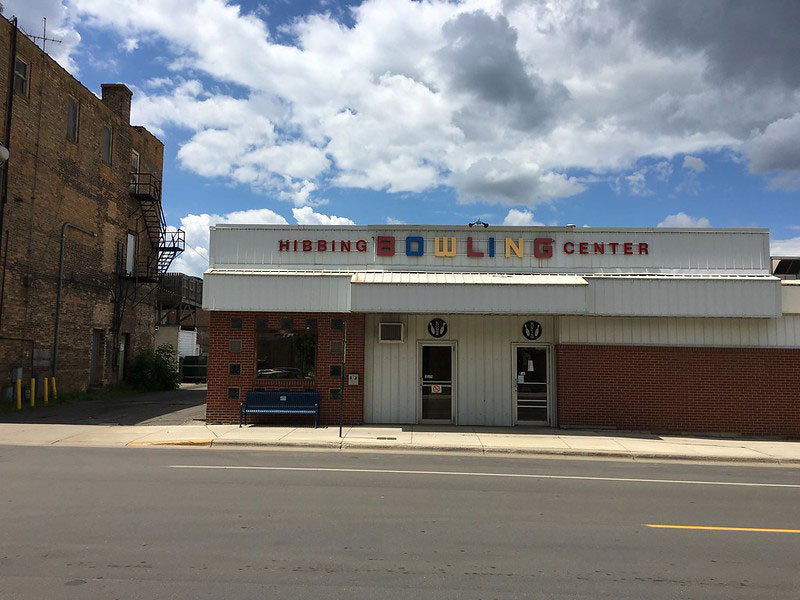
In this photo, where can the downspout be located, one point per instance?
(7, 144)
(60, 285)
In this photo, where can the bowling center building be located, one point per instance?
(663, 330)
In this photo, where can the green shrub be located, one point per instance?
(153, 371)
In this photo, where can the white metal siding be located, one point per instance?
(783, 332)
(483, 371)
(272, 291)
(684, 297)
(470, 298)
(790, 292)
(669, 251)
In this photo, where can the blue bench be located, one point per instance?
(285, 402)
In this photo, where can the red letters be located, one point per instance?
(322, 245)
(569, 248)
(361, 246)
(628, 246)
(613, 247)
(584, 247)
(599, 248)
(643, 248)
(307, 246)
(543, 248)
(345, 247)
(384, 245)
(283, 245)
(470, 251)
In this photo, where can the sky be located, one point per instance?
(643, 113)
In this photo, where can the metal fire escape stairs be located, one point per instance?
(133, 287)
(166, 245)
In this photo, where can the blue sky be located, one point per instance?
(516, 112)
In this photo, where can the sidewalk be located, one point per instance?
(415, 438)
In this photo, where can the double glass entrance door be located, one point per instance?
(530, 383)
(437, 383)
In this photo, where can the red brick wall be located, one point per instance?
(753, 391)
(222, 410)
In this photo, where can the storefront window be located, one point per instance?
(285, 355)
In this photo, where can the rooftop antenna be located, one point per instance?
(44, 37)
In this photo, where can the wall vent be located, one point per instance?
(390, 333)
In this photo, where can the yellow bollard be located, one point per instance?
(19, 394)
(55, 391)
(33, 392)
(44, 390)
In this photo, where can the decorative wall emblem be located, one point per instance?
(437, 328)
(532, 330)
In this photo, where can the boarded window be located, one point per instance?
(107, 143)
(73, 116)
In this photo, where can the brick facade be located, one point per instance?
(53, 181)
(222, 410)
(751, 391)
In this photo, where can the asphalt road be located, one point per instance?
(177, 407)
(158, 523)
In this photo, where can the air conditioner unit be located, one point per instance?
(390, 333)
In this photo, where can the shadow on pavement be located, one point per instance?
(176, 407)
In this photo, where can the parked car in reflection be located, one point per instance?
(279, 373)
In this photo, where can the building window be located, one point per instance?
(236, 322)
(286, 324)
(337, 324)
(285, 355)
(235, 346)
(311, 323)
(130, 254)
(336, 347)
(261, 323)
(233, 393)
(73, 117)
(335, 394)
(336, 370)
(234, 369)
(21, 77)
(107, 143)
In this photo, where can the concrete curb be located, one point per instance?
(221, 443)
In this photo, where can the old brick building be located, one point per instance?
(84, 241)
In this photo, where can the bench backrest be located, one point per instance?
(276, 399)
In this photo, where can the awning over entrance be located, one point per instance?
(492, 293)
(484, 293)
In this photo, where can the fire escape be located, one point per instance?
(134, 283)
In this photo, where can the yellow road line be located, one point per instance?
(708, 528)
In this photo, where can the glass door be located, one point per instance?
(530, 384)
(437, 383)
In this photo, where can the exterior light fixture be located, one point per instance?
(479, 222)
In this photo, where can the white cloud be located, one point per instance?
(776, 151)
(306, 216)
(194, 259)
(683, 220)
(520, 217)
(61, 20)
(129, 44)
(393, 221)
(789, 247)
(500, 100)
(694, 163)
